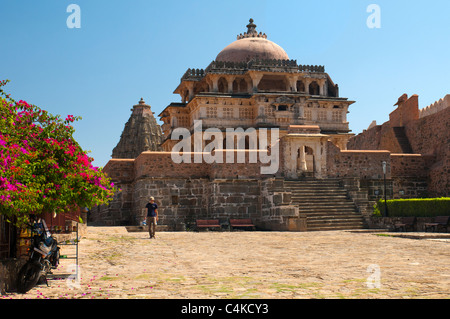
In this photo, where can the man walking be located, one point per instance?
(152, 216)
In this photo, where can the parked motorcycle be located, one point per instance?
(44, 257)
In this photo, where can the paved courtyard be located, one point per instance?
(272, 265)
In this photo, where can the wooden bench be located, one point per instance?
(439, 222)
(208, 223)
(241, 223)
(405, 223)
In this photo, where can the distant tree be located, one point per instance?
(42, 168)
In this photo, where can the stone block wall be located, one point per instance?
(160, 164)
(362, 164)
(183, 200)
(408, 165)
(179, 200)
(429, 136)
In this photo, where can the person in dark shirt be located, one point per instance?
(152, 216)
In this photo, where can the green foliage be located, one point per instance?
(376, 210)
(421, 207)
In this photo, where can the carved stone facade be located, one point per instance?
(254, 88)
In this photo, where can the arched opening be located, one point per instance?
(222, 85)
(201, 88)
(314, 88)
(300, 86)
(243, 86)
(272, 83)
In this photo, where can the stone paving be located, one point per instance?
(265, 265)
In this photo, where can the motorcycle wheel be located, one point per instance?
(28, 277)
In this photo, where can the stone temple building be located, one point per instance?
(254, 102)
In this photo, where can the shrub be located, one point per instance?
(42, 168)
(421, 207)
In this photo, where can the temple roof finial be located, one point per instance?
(251, 32)
(251, 27)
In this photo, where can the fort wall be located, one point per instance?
(428, 135)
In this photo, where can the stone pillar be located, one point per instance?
(191, 90)
(230, 80)
(303, 166)
(321, 87)
(256, 78)
(249, 85)
(317, 160)
(215, 84)
(292, 82)
(307, 82)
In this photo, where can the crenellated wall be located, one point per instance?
(435, 107)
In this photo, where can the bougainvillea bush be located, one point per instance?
(42, 168)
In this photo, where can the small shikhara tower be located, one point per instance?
(141, 133)
(253, 84)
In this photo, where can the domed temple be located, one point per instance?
(253, 84)
(251, 109)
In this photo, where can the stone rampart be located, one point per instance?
(435, 107)
(427, 135)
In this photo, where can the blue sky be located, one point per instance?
(126, 50)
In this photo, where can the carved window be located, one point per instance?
(308, 115)
(228, 112)
(211, 112)
(322, 115)
(269, 110)
(337, 116)
(245, 113)
(183, 121)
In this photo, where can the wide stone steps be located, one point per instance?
(325, 204)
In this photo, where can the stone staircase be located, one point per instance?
(326, 205)
(402, 139)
